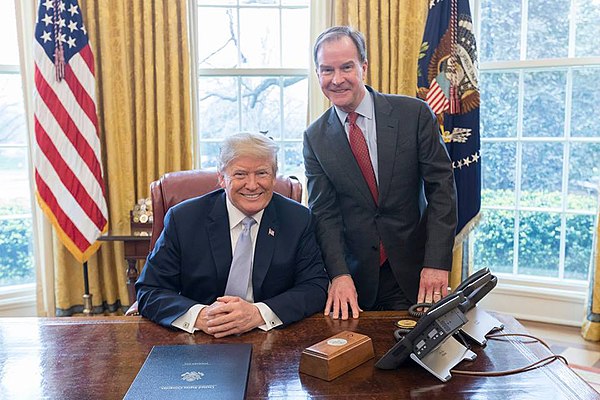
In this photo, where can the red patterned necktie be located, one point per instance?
(358, 144)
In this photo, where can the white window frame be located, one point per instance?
(198, 72)
(17, 300)
(554, 300)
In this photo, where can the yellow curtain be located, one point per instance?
(591, 325)
(144, 104)
(393, 31)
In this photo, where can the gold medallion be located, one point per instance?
(406, 323)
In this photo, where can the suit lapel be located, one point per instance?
(387, 136)
(338, 142)
(220, 241)
(265, 247)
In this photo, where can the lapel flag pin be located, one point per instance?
(271, 232)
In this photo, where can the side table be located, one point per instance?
(135, 248)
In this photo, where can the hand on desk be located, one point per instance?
(433, 285)
(342, 293)
(229, 315)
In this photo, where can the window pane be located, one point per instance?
(500, 28)
(498, 174)
(578, 248)
(584, 177)
(294, 2)
(295, 95)
(209, 154)
(216, 2)
(541, 180)
(218, 107)
(260, 105)
(547, 29)
(9, 50)
(220, 25)
(293, 161)
(539, 243)
(12, 111)
(587, 15)
(261, 2)
(16, 255)
(544, 104)
(585, 118)
(499, 104)
(296, 47)
(494, 239)
(14, 178)
(259, 38)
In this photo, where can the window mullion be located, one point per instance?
(524, 14)
(518, 167)
(572, 30)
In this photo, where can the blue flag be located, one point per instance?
(448, 82)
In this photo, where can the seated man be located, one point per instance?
(237, 258)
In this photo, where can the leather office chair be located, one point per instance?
(174, 187)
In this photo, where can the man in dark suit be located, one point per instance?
(381, 187)
(189, 279)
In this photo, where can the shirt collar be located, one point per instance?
(236, 216)
(365, 108)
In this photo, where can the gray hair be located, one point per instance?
(338, 32)
(254, 145)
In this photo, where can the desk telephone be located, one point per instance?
(441, 321)
(438, 324)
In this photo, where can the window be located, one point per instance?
(540, 137)
(16, 255)
(252, 67)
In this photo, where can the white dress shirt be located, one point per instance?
(187, 321)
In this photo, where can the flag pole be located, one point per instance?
(87, 297)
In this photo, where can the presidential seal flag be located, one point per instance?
(448, 82)
(68, 171)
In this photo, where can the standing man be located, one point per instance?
(238, 258)
(380, 185)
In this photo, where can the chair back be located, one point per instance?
(174, 187)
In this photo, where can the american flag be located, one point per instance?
(436, 98)
(68, 171)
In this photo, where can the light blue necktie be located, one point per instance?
(241, 265)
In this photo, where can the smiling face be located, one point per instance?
(341, 73)
(248, 182)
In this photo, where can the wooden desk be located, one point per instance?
(98, 358)
(135, 248)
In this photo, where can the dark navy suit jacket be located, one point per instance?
(415, 215)
(191, 259)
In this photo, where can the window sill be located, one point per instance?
(542, 300)
(18, 301)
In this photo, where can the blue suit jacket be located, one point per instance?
(191, 259)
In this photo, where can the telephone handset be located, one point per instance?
(470, 280)
(475, 287)
(440, 322)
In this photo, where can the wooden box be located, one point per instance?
(336, 355)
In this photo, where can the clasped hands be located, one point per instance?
(228, 315)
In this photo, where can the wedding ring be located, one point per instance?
(436, 293)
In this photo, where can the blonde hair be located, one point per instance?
(250, 144)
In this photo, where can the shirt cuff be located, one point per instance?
(270, 318)
(187, 322)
